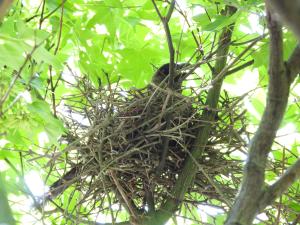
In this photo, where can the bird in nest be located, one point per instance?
(161, 76)
(159, 79)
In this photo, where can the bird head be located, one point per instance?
(162, 75)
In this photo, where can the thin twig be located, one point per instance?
(52, 85)
(165, 22)
(42, 14)
(17, 76)
(225, 70)
(131, 208)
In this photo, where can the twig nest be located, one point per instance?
(119, 153)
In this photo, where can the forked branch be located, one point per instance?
(252, 196)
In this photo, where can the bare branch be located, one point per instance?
(241, 67)
(171, 9)
(246, 205)
(165, 22)
(52, 85)
(132, 208)
(281, 185)
(225, 70)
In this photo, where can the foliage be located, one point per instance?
(45, 45)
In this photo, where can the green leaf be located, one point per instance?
(6, 154)
(295, 206)
(258, 105)
(54, 129)
(40, 108)
(220, 22)
(261, 56)
(42, 55)
(12, 52)
(6, 216)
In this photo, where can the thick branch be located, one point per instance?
(246, 205)
(4, 6)
(288, 10)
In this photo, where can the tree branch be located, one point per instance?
(186, 178)
(165, 22)
(248, 202)
(288, 10)
(168, 117)
(293, 65)
(17, 76)
(4, 6)
(225, 70)
(130, 205)
(280, 186)
(241, 67)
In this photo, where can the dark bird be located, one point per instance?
(161, 75)
(161, 78)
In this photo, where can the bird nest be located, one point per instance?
(129, 147)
